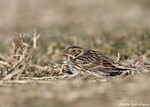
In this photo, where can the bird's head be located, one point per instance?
(74, 51)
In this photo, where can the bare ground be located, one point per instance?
(77, 93)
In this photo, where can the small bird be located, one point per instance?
(93, 62)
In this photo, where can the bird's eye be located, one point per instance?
(73, 51)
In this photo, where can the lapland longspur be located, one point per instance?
(93, 62)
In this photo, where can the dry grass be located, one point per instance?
(31, 64)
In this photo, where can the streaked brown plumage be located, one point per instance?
(94, 62)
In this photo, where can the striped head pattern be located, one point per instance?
(74, 51)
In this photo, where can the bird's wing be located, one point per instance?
(94, 60)
(101, 59)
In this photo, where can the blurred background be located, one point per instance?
(107, 26)
(86, 16)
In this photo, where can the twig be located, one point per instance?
(24, 82)
(118, 57)
(35, 38)
(4, 63)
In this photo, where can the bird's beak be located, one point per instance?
(65, 53)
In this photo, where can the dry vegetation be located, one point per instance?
(34, 33)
